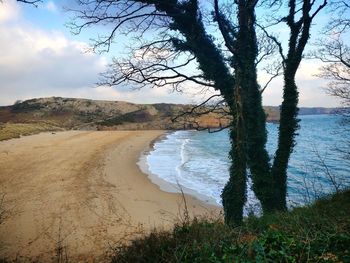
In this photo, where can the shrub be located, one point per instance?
(318, 233)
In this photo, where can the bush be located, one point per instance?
(319, 233)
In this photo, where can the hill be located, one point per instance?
(73, 113)
(70, 113)
(56, 113)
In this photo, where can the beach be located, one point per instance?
(76, 194)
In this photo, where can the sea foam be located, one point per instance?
(198, 162)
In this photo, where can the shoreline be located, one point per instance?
(165, 185)
(86, 188)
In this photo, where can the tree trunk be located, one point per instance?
(287, 131)
(234, 192)
(255, 119)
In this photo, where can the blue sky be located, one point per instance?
(39, 57)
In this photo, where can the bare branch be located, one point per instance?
(193, 109)
(336, 54)
(275, 40)
(33, 2)
(274, 75)
(340, 20)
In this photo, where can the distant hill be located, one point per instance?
(306, 110)
(70, 113)
(317, 111)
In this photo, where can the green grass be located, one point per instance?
(16, 130)
(318, 233)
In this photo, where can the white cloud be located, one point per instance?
(39, 63)
(9, 10)
(311, 88)
(51, 6)
(145, 95)
(309, 69)
(36, 63)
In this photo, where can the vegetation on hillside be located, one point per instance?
(16, 130)
(317, 233)
(69, 113)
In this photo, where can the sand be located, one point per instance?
(79, 193)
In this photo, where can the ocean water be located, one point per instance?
(198, 161)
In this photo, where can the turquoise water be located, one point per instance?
(199, 160)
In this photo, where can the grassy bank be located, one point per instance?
(318, 233)
(16, 130)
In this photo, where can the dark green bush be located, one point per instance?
(319, 233)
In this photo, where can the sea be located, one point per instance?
(197, 163)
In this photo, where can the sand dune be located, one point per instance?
(81, 191)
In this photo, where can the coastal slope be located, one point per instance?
(72, 113)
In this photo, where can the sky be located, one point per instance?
(39, 57)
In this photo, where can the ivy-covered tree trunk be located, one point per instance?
(258, 159)
(240, 89)
(287, 132)
(253, 115)
(299, 35)
(234, 192)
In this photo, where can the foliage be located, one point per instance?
(16, 130)
(180, 37)
(318, 233)
(138, 116)
(26, 106)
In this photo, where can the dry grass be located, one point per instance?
(16, 130)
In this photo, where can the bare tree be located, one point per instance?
(172, 46)
(334, 52)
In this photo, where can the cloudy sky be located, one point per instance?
(39, 57)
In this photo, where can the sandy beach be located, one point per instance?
(81, 192)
